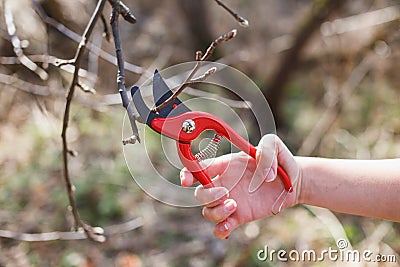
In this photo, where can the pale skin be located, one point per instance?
(360, 187)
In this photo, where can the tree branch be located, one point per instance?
(90, 231)
(24, 85)
(199, 57)
(52, 236)
(16, 43)
(291, 59)
(118, 8)
(242, 21)
(76, 37)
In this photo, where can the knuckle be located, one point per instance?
(198, 192)
(269, 139)
(213, 214)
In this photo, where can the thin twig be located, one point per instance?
(242, 21)
(57, 62)
(77, 235)
(221, 39)
(40, 90)
(117, 10)
(85, 88)
(35, 58)
(77, 61)
(77, 38)
(121, 9)
(24, 85)
(16, 43)
(290, 61)
(106, 32)
(203, 77)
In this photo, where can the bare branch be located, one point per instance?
(291, 59)
(16, 43)
(77, 38)
(221, 39)
(116, 11)
(86, 88)
(180, 89)
(23, 85)
(35, 58)
(77, 235)
(106, 32)
(77, 61)
(242, 21)
(203, 77)
(123, 10)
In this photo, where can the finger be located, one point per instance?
(217, 166)
(187, 178)
(224, 228)
(266, 162)
(220, 212)
(286, 160)
(213, 167)
(266, 156)
(211, 197)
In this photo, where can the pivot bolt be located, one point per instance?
(188, 126)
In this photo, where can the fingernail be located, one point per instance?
(229, 205)
(224, 227)
(269, 174)
(184, 173)
(221, 193)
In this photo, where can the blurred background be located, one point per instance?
(329, 70)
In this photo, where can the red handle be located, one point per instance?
(190, 162)
(281, 172)
(172, 127)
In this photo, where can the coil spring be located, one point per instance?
(210, 151)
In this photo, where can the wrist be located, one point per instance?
(300, 187)
(295, 197)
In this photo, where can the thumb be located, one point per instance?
(266, 157)
(267, 163)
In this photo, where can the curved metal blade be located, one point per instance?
(141, 107)
(161, 93)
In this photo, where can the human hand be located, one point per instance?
(245, 188)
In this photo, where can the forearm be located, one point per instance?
(360, 187)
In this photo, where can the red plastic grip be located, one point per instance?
(190, 162)
(172, 127)
(281, 172)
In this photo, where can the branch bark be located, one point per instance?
(199, 57)
(16, 43)
(77, 235)
(291, 59)
(118, 8)
(76, 37)
(94, 235)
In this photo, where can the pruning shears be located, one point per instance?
(183, 125)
